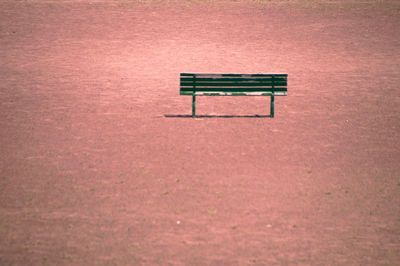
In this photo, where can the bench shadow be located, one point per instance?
(216, 116)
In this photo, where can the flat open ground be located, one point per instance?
(98, 166)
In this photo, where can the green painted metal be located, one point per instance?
(229, 93)
(234, 84)
(194, 105)
(194, 97)
(241, 79)
(272, 105)
(231, 75)
(203, 84)
(226, 81)
(234, 89)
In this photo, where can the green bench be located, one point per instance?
(201, 84)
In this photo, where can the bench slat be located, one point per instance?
(226, 89)
(230, 84)
(231, 75)
(263, 93)
(261, 79)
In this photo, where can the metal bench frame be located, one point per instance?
(204, 84)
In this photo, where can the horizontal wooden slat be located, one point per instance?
(263, 79)
(232, 84)
(225, 89)
(230, 75)
(280, 93)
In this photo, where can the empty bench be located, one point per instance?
(201, 84)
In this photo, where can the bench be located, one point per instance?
(202, 84)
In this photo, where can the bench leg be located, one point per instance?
(272, 105)
(194, 106)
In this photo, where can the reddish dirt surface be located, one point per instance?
(93, 172)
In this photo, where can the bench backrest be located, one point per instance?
(233, 84)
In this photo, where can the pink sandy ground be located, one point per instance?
(93, 171)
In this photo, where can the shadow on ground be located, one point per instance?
(216, 116)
